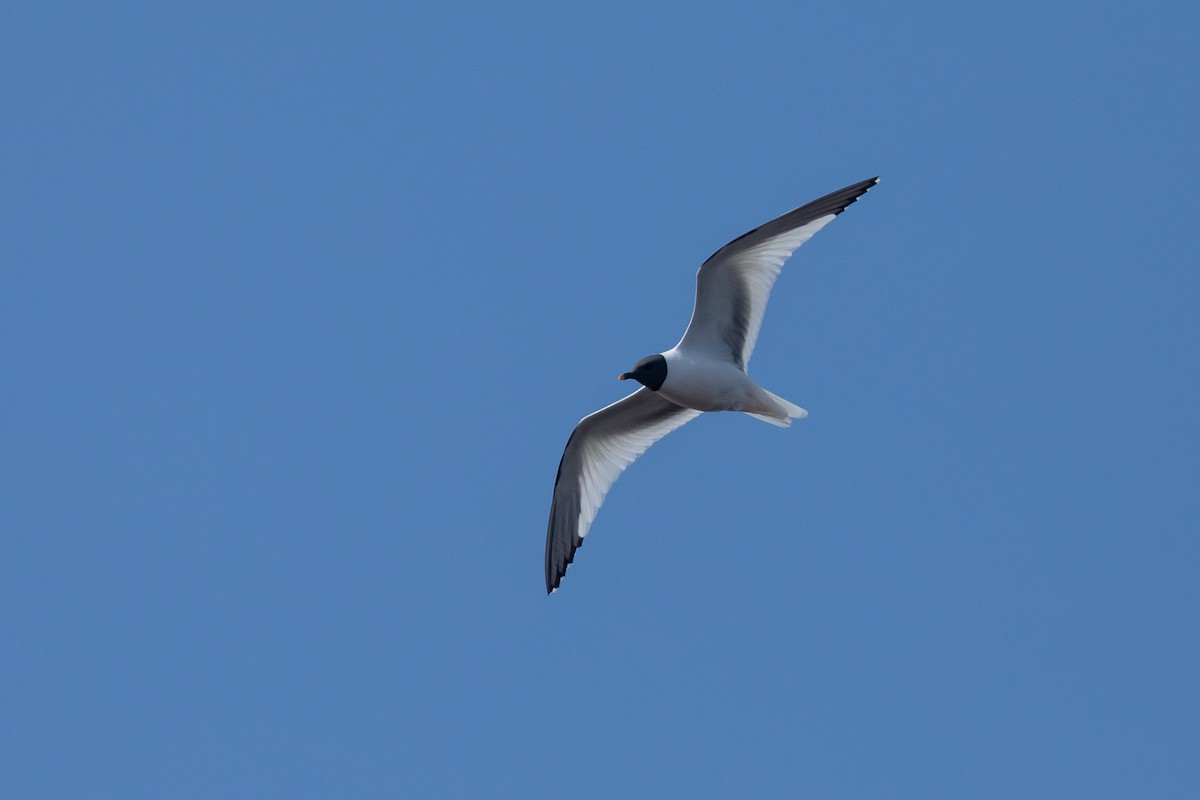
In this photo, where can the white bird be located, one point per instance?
(706, 371)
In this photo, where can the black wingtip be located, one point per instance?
(556, 570)
(833, 203)
(844, 198)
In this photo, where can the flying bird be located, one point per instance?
(706, 371)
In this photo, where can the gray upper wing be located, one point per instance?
(733, 285)
(601, 447)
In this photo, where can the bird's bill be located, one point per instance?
(624, 376)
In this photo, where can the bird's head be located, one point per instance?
(650, 372)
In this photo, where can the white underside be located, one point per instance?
(699, 381)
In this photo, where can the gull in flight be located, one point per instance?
(706, 371)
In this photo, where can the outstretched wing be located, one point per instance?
(601, 447)
(733, 285)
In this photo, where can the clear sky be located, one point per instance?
(300, 302)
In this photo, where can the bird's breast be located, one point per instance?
(706, 384)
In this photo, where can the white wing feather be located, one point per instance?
(734, 284)
(602, 446)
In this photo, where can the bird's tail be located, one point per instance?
(787, 412)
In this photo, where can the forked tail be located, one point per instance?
(787, 412)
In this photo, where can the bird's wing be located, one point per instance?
(733, 285)
(601, 447)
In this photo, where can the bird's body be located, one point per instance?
(702, 382)
(705, 371)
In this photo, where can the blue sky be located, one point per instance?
(299, 304)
